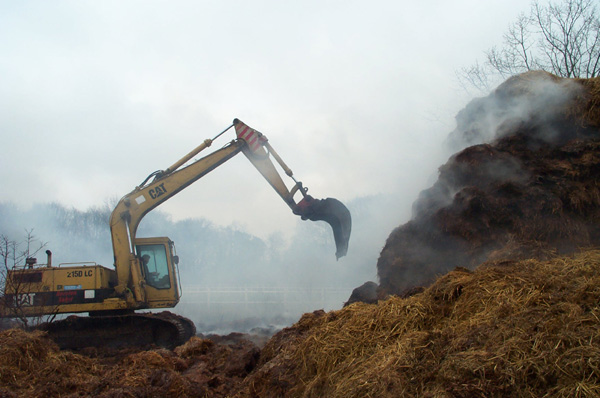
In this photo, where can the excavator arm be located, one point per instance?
(164, 184)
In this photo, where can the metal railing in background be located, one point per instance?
(241, 309)
(264, 295)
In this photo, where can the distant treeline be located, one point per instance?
(211, 255)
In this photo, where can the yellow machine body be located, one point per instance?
(36, 290)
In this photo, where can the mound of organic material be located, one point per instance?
(526, 187)
(33, 366)
(521, 329)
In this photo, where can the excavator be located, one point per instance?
(146, 273)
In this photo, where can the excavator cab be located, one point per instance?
(158, 264)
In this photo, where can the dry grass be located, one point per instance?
(194, 347)
(526, 329)
(33, 366)
(588, 103)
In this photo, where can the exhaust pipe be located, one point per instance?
(49, 263)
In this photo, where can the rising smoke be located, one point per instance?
(503, 195)
(532, 99)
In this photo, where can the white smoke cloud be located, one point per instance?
(526, 100)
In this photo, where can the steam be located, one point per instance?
(489, 198)
(533, 99)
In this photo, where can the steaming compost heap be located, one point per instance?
(493, 295)
(528, 188)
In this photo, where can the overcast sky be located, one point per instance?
(356, 96)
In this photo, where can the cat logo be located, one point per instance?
(24, 300)
(158, 191)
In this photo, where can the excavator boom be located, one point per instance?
(330, 210)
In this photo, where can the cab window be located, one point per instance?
(155, 266)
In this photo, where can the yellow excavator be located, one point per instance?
(145, 274)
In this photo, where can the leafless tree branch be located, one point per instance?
(561, 38)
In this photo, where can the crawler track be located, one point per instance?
(163, 329)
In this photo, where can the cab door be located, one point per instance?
(156, 260)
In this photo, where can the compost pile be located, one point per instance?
(526, 186)
(523, 329)
(33, 366)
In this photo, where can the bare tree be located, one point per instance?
(13, 255)
(560, 38)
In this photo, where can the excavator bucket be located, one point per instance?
(333, 212)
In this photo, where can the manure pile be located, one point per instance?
(513, 329)
(525, 187)
(33, 366)
(524, 328)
